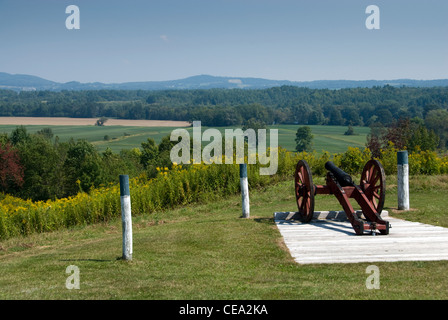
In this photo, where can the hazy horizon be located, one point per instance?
(233, 77)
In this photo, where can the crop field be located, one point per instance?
(130, 133)
(50, 121)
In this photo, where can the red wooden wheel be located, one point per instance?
(373, 184)
(304, 189)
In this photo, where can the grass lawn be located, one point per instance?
(206, 251)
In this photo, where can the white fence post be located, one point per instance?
(244, 190)
(126, 218)
(403, 180)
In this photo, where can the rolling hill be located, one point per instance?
(23, 82)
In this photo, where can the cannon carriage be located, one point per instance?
(369, 194)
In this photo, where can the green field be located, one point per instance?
(326, 138)
(206, 251)
(120, 137)
(329, 138)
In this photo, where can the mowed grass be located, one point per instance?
(206, 251)
(329, 138)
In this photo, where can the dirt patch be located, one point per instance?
(146, 123)
(395, 210)
(63, 121)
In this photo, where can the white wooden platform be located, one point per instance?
(330, 238)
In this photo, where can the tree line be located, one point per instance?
(281, 105)
(40, 167)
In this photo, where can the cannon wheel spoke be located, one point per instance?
(373, 184)
(304, 189)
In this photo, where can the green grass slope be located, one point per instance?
(206, 251)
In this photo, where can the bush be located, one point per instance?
(179, 185)
(182, 185)
(388, 159)
(354, 160)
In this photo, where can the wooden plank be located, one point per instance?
(321, 241)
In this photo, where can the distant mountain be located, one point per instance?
(23, 82)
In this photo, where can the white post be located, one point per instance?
(244, 190)
(126, 219)
(403, 180)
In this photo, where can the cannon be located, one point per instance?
(369, 194)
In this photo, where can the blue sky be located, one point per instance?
(136, 40)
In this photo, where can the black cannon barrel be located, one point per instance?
(343, 177)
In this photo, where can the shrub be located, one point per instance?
(354, 160)
(173, 187)
(182, 185)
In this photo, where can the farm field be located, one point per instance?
(50, 121)
(206, 251)
(326, 138)
(131, 134)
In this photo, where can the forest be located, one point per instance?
(223, 107)
(233, 107)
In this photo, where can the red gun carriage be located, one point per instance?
(370, 194)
